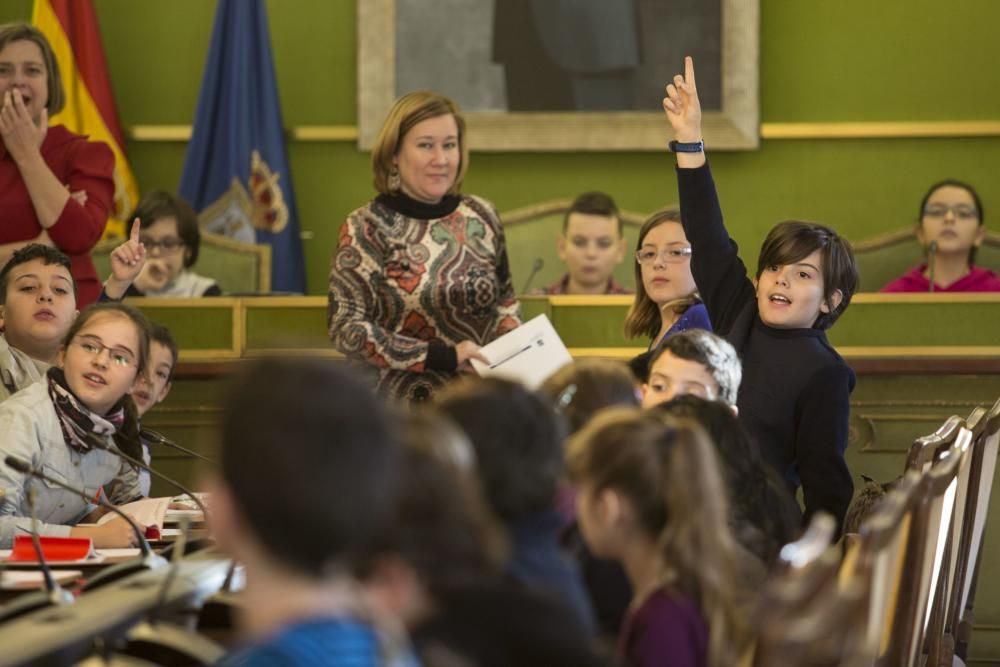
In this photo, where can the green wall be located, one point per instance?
(851, 60)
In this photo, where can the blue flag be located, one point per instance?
(236, 169)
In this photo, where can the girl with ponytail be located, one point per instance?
(651, 496)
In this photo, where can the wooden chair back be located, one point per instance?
(982, 469)
(925, 555)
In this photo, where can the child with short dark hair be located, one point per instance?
(37, 308)
(307, 468)
(591, 246)
(518, 440)
(152, 387)
(794, 398)
(172, 238)
(693, 361)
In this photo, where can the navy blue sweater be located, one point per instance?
(795, 394)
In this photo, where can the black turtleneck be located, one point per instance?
(413, 208)
(794, 398)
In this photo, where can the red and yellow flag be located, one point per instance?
(72, 30)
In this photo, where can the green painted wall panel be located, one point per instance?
(851, 60)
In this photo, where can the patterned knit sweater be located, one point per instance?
(409, 281)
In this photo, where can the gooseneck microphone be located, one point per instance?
(931, 255)
(160, 439)
(53, 594)
(155, 473)
(535, 268)
(26, 468)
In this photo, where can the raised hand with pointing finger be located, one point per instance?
(127, 261)
(683, 110)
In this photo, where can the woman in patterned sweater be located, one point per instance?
(420, 278)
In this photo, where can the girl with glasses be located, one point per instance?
(950, 228)
(62, 425)
(666, 298)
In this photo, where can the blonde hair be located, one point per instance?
(409, 110)
(666, 469)
(644, 317)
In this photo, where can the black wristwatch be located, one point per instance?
(678, 147)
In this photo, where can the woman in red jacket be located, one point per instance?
(55, 186)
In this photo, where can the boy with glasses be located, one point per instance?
(171, 237)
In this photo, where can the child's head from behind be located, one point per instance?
(591, 244)
(650, 481)
(765, 514)
(582, 388)
(663, 279)
(640, 474)
(169, 231)
(38, 300)
(153, 386)
(696, 362)
(951, 216)
(806, 276)
(442, 533)
(517, 438)
(308, 466)
(103, 353)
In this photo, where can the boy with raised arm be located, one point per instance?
(794, 398)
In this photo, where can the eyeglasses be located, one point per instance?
(119, 356)
(168, 245)
(669, 255)
(961, 211)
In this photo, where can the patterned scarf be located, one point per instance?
(83, 429)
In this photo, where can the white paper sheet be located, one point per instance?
(529, 354)
(147, 512)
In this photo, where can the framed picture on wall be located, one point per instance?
(563, 75)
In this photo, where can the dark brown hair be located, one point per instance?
(142, 327)
(158, 204)
(409, 110)
(793, 240)
(32, 251)
(582, 388)
(950, 182)
(16, 32)
(160, 334)
(594, 203)
(313, 433)
(643, 317)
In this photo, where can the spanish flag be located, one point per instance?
(72, 30)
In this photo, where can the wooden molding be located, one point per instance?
(881, 130)
(768, 131)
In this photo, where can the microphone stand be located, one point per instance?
(160, 439)
(148, 561)
(54, 595)
(931, 260)
(535, 268)
(139, 464)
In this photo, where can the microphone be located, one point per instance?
(155, 473)
(931, 255)
(24, 467)
(160, 439)
(54, 595)
(149, 560)
(535, 268)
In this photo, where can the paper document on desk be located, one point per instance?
(529, 354)
(147, 512)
